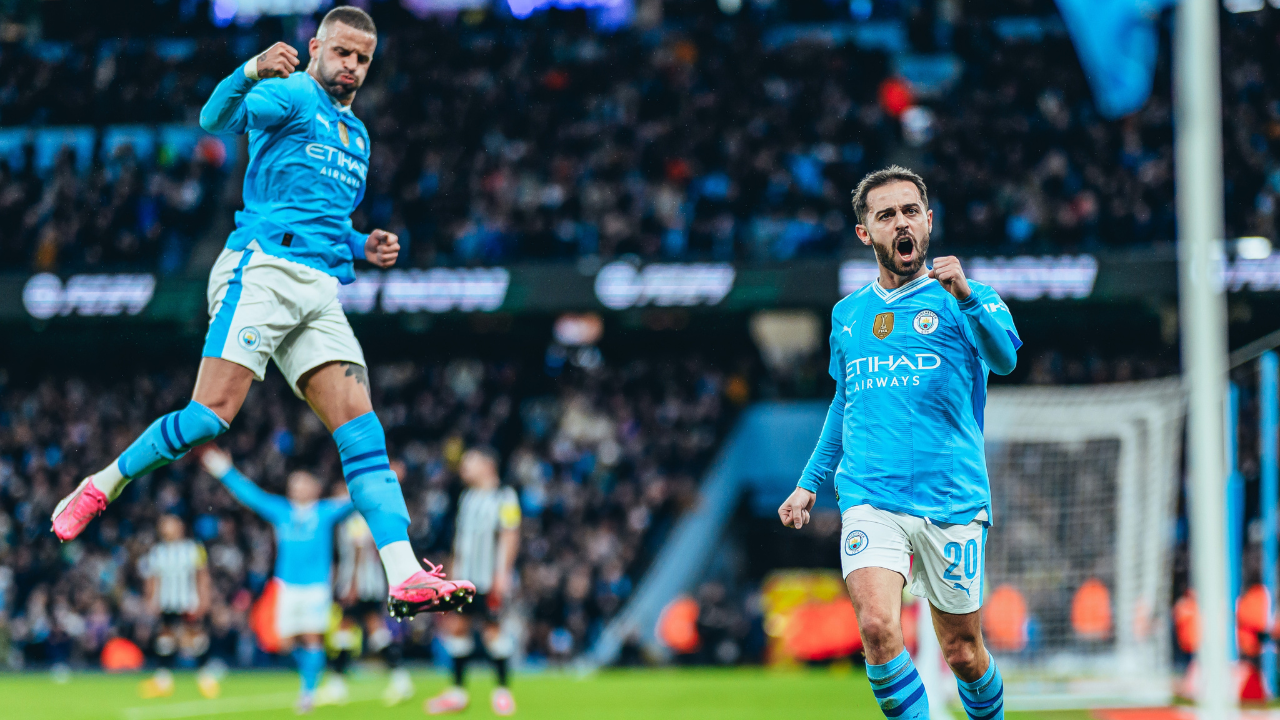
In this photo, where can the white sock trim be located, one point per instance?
(109, 480)
(398, 561)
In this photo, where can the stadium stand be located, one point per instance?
(604, 461)
(606, 458)
(500, 142)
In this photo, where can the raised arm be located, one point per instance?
(218, 464)
(336, 510)
(997, 346)
(240, 103)
(994, 335)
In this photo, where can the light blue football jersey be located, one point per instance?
(914, 384)
(308, 161)
(304, 534)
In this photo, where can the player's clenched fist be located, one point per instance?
(795, 511)
(948, 273)
(277, 61)
(382, 248)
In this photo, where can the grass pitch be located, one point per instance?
(740, 694)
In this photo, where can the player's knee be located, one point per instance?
(879, 632)
(191, 426)
(962, 656)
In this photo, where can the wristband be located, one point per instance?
(251, 68)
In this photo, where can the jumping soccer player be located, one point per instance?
(910, 355)
(484, 550)
(273, 293)
(303, 525)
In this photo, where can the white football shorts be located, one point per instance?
(263, 307)
(303, 609)
(949, 559)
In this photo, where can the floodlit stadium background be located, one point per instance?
(624, 226)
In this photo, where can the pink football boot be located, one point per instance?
(428, 591)
(76, 510)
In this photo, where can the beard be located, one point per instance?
(329, 81)
(889, 259)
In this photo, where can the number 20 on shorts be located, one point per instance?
(968, 556)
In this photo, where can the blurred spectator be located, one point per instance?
(509, 141)
(604, 459)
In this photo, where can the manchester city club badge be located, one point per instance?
(926, 322)
(250, 338)
(855, 542)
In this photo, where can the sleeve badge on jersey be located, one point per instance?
(882, 325)
(926, 322)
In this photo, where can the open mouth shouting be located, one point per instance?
(905, 248)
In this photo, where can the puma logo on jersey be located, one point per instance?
(324, 122)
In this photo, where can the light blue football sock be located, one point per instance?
(310, 664)
(169, 438)
(375, 491)
(983, 699)
(899, 689)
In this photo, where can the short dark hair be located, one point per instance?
(352, 17)
(489, 453)
(891, 174)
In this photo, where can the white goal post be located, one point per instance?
(1084, 484)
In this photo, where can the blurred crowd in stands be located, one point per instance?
(707, 137)
(604, 458)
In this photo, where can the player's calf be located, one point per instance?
(166, 440)
(983, 699)
(376, 493)
(898, 688)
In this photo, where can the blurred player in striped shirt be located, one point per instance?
(485, 544)
(178, 592)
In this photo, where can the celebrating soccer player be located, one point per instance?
(910, 354)
(303, 524)
(273, 293)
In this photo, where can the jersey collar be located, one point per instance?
(891, 296)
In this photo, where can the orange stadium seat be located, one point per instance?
(1091, 611)
(1253, 617)
(1186, 622)
(823, 631)
(678, 625)
(1004, 619)
(120, 655)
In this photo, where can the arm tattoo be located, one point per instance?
(361, 375)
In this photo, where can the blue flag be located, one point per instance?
(1116, 41)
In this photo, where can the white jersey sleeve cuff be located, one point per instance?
(251, 68)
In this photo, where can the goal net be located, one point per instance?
(1084, 484)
